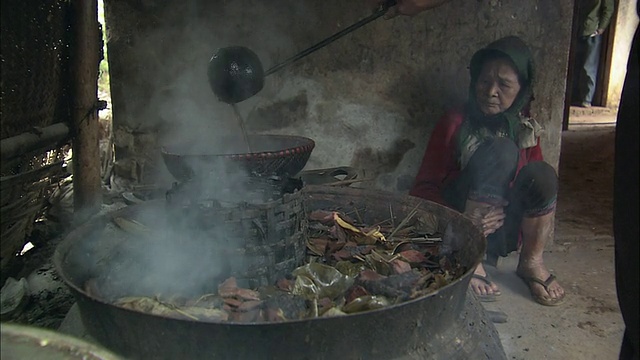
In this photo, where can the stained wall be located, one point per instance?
(369, 100)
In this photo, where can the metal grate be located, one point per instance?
(262, 242)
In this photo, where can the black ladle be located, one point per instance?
(235, 73)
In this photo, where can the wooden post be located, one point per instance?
(85, 60)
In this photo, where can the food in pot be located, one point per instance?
(350, 267)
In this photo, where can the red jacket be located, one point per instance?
(440, 164)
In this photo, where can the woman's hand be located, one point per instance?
(488, 219)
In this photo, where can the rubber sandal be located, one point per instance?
(487, 297)
(543, 300)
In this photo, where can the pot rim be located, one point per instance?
(307, 146)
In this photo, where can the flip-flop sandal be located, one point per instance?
(545, 284)
(487, 297)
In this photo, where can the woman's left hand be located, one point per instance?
(488, 219)
(493, 220)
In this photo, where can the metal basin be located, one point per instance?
(29, 342)
(280, 155)
(417, 329)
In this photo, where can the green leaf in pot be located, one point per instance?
(317, 281)
(334, 311)
(350, 269)
(364, 303)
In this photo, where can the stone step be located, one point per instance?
(594, 110)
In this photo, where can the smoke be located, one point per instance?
(169, 87)
(184, 247)
(170, 95)
(160, 70)
(167, 262)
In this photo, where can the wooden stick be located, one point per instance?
(7, 182)
(85, 59)
(404, 221)
(358, 214)
(393, 220)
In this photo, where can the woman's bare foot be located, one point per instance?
(481, 285)
(545, 289)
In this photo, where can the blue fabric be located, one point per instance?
(589, 69)
(486, 179)
(487, 176)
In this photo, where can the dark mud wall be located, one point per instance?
(369, 100)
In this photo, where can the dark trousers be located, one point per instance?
(625, 206)
(590, 50)
(487, 178)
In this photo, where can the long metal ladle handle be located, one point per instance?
(381, 11)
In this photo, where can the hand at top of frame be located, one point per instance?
(410, 7)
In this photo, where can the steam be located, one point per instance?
(180, 252)
(178, 99)
(167, 263)
(182, 247)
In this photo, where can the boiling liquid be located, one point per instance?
(244, 130)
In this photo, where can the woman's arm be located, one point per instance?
(439, 163)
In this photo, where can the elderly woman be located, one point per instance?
(486, 162)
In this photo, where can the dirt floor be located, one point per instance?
(587, 326)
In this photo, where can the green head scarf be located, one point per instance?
(476, 123)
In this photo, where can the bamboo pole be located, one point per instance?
(37, 138)
(85, 60)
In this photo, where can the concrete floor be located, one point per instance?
(587, 326)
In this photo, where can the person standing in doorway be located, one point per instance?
(595, 18)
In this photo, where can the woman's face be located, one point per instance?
(497, 86)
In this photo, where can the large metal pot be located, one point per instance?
(30, 342)
(426, 327)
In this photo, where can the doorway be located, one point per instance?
(576, 53)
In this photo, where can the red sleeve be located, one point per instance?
(439, 164)
(536, 153)
(532, 154)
